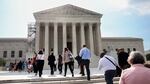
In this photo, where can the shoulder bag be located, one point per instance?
(118, 70)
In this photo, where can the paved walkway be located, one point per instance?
(7, 75)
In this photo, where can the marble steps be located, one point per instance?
(62, 80)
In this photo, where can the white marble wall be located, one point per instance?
(123, 43)
(13, 44)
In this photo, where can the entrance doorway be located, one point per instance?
(69, 46)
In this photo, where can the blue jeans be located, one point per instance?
(86, 62)
(109, 75)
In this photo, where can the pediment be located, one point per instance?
(68, 10)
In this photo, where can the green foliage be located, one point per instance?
(2, 62)
(148, 56)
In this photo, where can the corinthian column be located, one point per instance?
(82, 35)
(74, 39)
(64, 36)
(46, 43)
(46, 39)
(91, 37)
(55, 39)
(99, 42)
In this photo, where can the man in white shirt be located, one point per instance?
(108, 68)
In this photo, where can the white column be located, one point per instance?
(46, 39)
(91, 37)
(46, 44)
(64, 36)
(82, 35)
(37, 42)
(55, 39)
(74, 39)
(98, 35)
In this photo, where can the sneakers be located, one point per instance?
(88, 78)
(60, 72)
(83, 75)
(35, 74)
(40, 75)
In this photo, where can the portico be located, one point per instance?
(68, 26)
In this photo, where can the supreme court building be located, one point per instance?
(68, 26)
(72, 27)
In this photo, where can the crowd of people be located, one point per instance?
(67, 59)
(132, 67)
(131, 64)
(17, 66)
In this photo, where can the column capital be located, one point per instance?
(91, 23)
(73, 23)
(64, 22)
(82, 23)
(46, 23)
(55, 22)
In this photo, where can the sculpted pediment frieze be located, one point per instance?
(67, 10)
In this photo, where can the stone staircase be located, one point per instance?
(62, 80)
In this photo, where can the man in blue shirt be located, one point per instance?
(85, 55)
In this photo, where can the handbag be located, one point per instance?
(78, 58)
(118, 70)
(70, 57)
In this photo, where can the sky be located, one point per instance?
(121, 18)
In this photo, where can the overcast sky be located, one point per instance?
(121, 18)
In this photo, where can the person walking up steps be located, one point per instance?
(34, 63)
(108, 65)
(40, 62)
(51, 62)
(60, 64)
(85, 55)
(67, 61)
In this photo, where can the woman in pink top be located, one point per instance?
(137, 73)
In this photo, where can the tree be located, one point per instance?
(2, 62)
(148, 56)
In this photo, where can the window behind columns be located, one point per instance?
(5, 54)
(134, 49)
(20, 53)
(128, 50)
(69, 36)
(12, 54)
